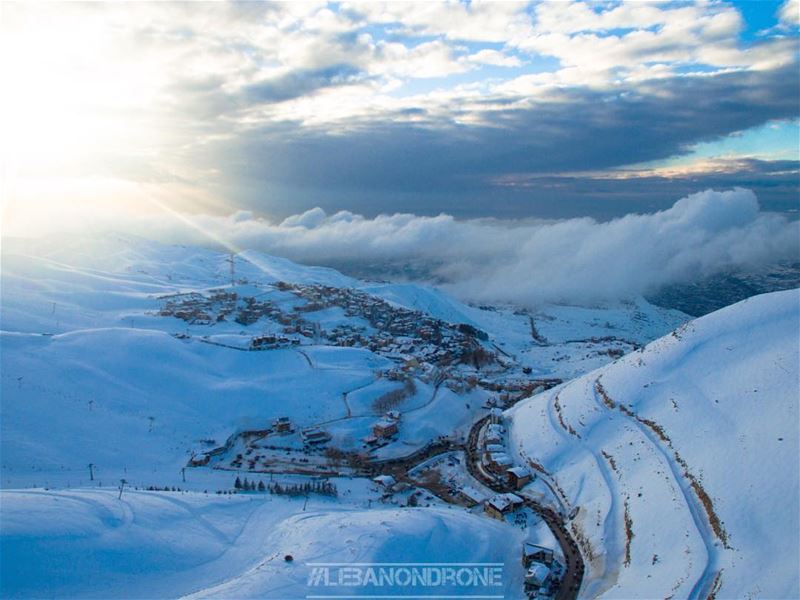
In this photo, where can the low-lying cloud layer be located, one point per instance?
(530, 261)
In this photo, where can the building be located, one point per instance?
(534, 553)
(495, 448)
(519, 477)
(315, 436)
(201, 461)
(500, 505)
(384, 428)
(494, 434)
(387, 482)
(282, 425)
(537, 576)
(412, 364)
(393, 415)
(470, 496)
(498, 462)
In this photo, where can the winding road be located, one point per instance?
(571, 584)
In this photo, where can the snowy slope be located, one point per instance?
(90, 544)
(683, 458)
(571, 339)
(92, 374)
(94, 371)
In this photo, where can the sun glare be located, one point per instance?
(74, 102)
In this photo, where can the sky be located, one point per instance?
(165, 115)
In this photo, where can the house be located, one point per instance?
(494, 448)
(518, 477)
(202, 461)
(470, 496)
(282, 425)
(385, 481)
(494, 434)
(384, 428)
(315, 436)
(495, 415)
(537, 576)
(498, 462)
(534, 553)
(501, 504)
(411, 364)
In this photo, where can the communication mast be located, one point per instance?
(232, 260)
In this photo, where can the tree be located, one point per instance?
(261, 486)
(237, 484)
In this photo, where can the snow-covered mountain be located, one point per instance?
(169, 366)
(682, 458)
(93, 354)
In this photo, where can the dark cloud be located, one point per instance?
(384, 158)
(297, 83)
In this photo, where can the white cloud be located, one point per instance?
(494, 57)
(479, 20)
(790, 12)
(522, 262)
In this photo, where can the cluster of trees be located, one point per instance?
(249, 486)
(324, 488)
(477, 356)
(394, 398)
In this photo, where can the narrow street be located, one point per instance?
(571, 584)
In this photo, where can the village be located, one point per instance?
(473, 470)
(429, 349)
(477, 473)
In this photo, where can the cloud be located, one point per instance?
(308, 220)
(494, 57)
(300, 82)
(379, 107)
(457, 146)
(790, 12)
(525, 262)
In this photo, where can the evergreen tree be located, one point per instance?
(237, 484)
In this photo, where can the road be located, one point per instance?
(573, 576)
(571, 584)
